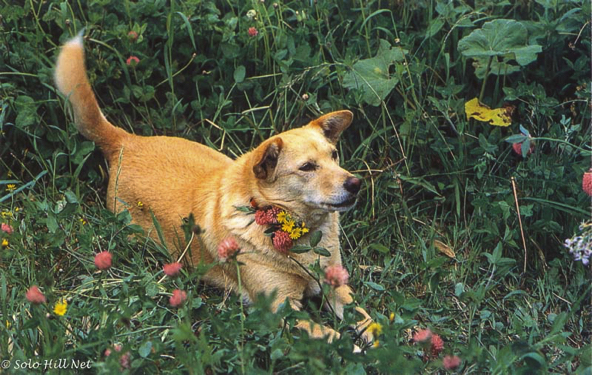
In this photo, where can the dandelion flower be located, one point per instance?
(103, 260)
(451, 362)
(282, 217)
(178, 298)
(336, 276)
(392, 317)
(172, 269)
(288, 226)
(5, 242)
(296, 233)
(375, 329)
(61, 307)
(35, 296)
(10, 188)
(6, 228)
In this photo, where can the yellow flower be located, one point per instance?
(392, 317)
(296, 233)
(10, 187)
(61, 307)
(82, 221)
(282, 217)
(6, 214)
(304, 229)
(4, 242)
(375, 329)
(140, 205)
(288, 225)
(376, 344)
(8, 324)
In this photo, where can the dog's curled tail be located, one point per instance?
(71, 80)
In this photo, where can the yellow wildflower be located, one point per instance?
(296, 233)
(8, 324)
(61, 307)
(82, 221)
(6, 214)
(10, 187)
(376, 344)
(288, 225)
(140, 205)
(392, 317)
(304, 229)
(375, 329)
(4, 242)
(282, 217)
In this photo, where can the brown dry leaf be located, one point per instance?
(498, 116)
(443, 248)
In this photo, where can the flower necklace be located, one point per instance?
(283, 228)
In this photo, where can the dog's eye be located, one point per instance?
(335, 155)
(307, 167)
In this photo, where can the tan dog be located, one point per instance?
(296, 170)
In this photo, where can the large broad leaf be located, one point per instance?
(372, 76)
(506, 40)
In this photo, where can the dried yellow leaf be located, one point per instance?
(443, 248)
(481, 112)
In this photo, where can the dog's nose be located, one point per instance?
(352, 184)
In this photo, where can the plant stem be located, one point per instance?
(485, 79)
(242, 319)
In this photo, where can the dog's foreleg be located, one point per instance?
(342, 296)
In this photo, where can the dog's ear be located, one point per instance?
(332, 124)
(266, 157)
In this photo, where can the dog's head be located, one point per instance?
(299, 169)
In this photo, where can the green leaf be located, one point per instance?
(380, 248)
(499, 68)
(503, 39)
(374, 286)
(145, 349)
(299, 249)
(372, 77)
(26, 111)
(434, 26)
(322, 251)
(315, 238)
(239, 74)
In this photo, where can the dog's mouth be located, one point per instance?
(342, 206)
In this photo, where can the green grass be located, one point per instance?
(511, 300)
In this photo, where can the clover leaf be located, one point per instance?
(372, 76)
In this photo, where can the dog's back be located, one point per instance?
(141, 168)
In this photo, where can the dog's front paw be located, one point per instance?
(367, 336)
